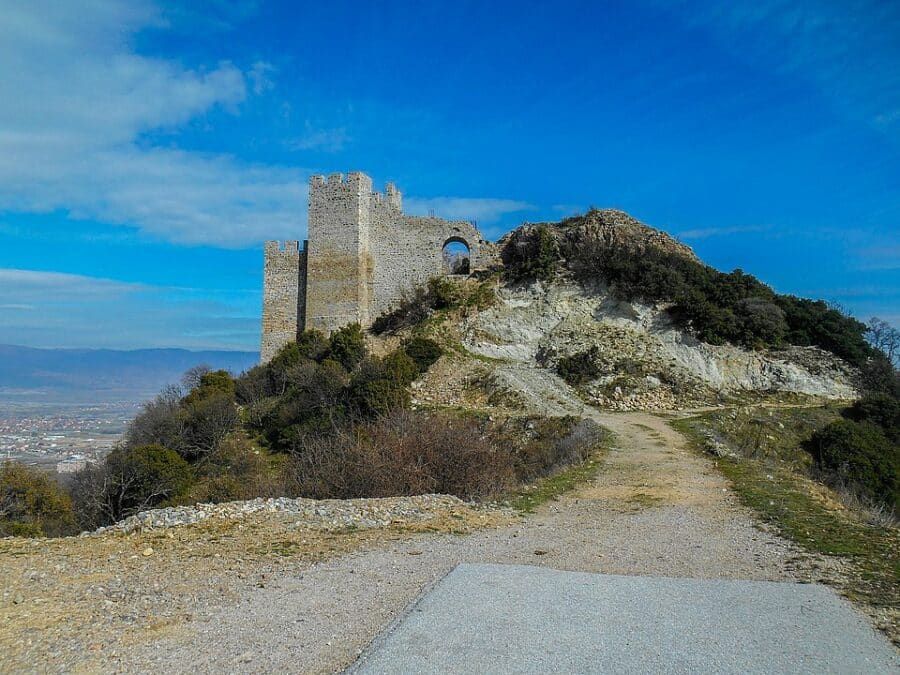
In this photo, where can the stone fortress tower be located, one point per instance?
(363, 252)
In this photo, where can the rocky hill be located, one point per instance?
(608, 291)
(643, 360)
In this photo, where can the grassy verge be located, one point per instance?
(530, 497)
(803, 511)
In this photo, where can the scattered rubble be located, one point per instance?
(330, 514)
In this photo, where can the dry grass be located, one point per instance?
(809, 513)
(66, 601)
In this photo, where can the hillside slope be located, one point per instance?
(640, 322)
(645, 361)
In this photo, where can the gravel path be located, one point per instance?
(656, 509)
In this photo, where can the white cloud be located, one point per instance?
(52, 309)
(75, 100)
(260, 76)
(482, 209)
(29, 286)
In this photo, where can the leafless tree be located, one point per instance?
(192, 377)
(208, 422)
(885, 337)
(129, 481)
(161, 422)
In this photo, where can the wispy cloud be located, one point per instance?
(847, 51)
(880, 258)
(53, 309)
(485, 210)
(568, 209)
(326, 140)
(75, 99)
(706, 232)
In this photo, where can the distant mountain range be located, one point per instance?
(102, 375)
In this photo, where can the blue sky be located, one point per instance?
(147, 149)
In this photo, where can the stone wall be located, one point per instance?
(284, 295)
(338, 265)
(363, 253)
(408, 251)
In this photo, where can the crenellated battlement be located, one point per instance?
(354, 185)
(289, 246)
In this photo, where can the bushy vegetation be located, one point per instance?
(531, 254)
(720, 307)
(32, 504)
(440, 293)
(319, 385)
(131, 479)
(771, 475)
(857, 456)
(406, 453)
(324, 418)
(580, 367)
(861, 453)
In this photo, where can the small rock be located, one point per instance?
(18, 599)
(147, 552)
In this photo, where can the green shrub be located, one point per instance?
(423, 352)
(882, 410)
(381, 385)
(412, 309)
(32, 504)
(813, 322)
(580, 367)
(347, 346)
(530, 254)
(720, 307)
(860, 457)
(313, 402)
(443, 293)
(236, 470)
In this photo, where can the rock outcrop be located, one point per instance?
(645, 362)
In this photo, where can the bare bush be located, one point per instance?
(408, 453)
(160, 422)
(207, 421)
(404, 453)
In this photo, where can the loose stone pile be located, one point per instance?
(328, 514)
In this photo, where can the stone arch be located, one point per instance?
(453, 263)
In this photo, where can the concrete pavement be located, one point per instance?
(520, 619)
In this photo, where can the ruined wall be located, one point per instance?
(284, 296)
(363, 253)
(408, 251)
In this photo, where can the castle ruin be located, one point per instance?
(362, 254)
